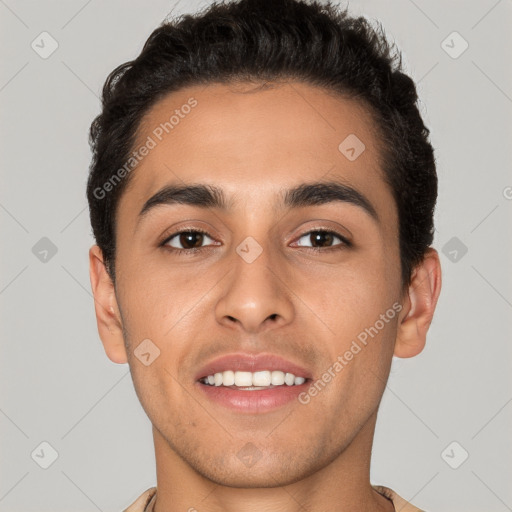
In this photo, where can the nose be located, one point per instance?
(256, 296)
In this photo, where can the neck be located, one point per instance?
(343, 485)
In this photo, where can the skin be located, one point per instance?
(253, 144)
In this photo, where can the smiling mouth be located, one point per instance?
(253, 393)
(253, 381)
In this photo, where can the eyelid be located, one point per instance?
(173, 231)
(345, 240)
(168, 237)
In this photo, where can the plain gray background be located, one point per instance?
(56, 383)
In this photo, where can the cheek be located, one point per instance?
(155, 295)
(356, 310)
(348, 298)
(158, 390)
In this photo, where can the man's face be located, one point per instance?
(305, 306)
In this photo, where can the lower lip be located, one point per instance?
(257, 401)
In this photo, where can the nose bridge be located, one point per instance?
(254, 296)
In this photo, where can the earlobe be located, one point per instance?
(108, 317)
(422, 296)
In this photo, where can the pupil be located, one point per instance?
(318, 236)
(185, 239)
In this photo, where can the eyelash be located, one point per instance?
(182, 252)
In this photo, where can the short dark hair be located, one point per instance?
(268, 41)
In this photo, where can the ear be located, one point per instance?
(108, 317)
(420, 304)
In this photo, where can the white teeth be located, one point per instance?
(277, 378)
(242, 378)
(261, 378)
(228, 378)
(289, 379)
(257, 380)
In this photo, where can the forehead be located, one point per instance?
(255, 142)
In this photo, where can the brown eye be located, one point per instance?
(322, 238)
(187, 240)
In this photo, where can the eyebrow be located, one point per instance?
(303, 195)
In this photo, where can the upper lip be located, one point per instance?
(252, 363)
